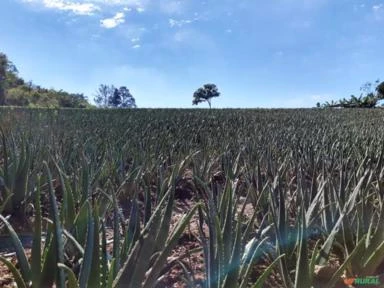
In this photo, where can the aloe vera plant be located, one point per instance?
(229, 250)
(15, 172)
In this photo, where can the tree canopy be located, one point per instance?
(205, 93)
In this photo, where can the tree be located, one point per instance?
(7, 69)
(70, 100)
(380, 90)
(3, 61)
(8, 76)
(127, 100)
(109, 96)
(205, 93)
(115, 99)
(103, 94)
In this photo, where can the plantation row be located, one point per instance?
(283, 198)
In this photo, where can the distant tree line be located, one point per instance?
(108, 96)
(14, 91)
(369, 97)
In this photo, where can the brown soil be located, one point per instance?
(6, 277)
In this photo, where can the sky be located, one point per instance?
(268, 54)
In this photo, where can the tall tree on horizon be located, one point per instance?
(127, 100)
(103, 94)
(205, 93)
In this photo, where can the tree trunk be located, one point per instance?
(2, 95)
(2, 87)
(3, 76)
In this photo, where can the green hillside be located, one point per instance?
(15, 91)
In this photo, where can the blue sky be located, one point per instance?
(276, 53)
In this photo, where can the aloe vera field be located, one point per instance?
(191, 198)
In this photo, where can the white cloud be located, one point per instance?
(378, 11)
(114, 21)
(79, 8)
(137, 46)
(89, 7)
(140, 9)
(179, 23)
(378, 7)
(128, 3)
(135, 40)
